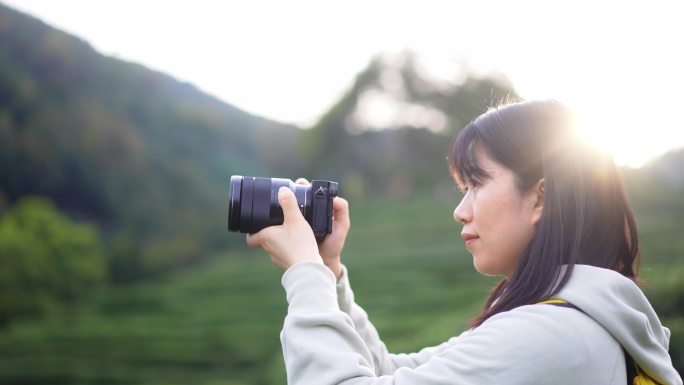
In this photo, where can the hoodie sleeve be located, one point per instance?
(322, 346)
(384, 362)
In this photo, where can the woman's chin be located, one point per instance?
(486, 269)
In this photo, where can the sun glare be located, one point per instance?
(593, 127)
(633, 133)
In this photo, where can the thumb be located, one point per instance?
(288, 201)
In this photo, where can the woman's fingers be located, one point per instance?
(302, 181)
(291, 212)
(341, 210)
(340, 205)
(288, 201)
(256, 239)
(289, 243)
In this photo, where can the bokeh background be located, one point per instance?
(118, 137)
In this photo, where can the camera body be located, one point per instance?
(253, 204)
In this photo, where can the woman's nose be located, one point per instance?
(463, 212)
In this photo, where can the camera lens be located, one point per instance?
(234, 205)
(254, 202)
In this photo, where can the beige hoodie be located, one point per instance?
(327, 339)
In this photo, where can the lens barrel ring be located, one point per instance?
(261, 210)
(235, 203)
(246, 203)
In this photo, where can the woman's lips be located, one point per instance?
(470, 241)
(469, 238)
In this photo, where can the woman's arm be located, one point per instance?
(532, 345)
(384, 362)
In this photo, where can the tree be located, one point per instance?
(46, 259)
(406, 153)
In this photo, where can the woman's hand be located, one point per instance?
(289, 243)
(331, 248)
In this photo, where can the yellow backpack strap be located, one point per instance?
(642, 378)
(559, 302)
(552, 301)
(635, 376)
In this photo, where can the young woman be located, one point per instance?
(541, 209)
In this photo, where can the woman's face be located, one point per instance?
(498, 220)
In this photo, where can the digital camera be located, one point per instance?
(253, 204)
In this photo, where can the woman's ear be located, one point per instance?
(537, 201)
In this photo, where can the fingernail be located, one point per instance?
(281, 189)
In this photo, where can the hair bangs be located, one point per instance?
(464, 158)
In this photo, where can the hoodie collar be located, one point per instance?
(619, 305)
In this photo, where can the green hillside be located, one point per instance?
(139, 154)
(219, 323)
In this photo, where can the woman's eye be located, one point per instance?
(464, 188)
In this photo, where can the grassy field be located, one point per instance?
(219, 323)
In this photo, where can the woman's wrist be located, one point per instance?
(336, 267)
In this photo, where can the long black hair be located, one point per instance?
(586, 218)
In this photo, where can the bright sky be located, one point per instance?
(618, 64)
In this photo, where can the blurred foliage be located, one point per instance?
(109, 170)
(407, 154)
(218, 323)
(143, 156)
(656, 192)
(46, 260)
(147, 159)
